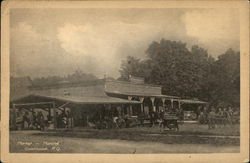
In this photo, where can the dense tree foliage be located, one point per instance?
(188, 73)
(77, 76)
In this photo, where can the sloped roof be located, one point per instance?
(90, 99)
(122, 87)
(83, 94)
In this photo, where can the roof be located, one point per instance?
(93, 94)
(122, 87)
(144, 95)
(89, 99)
(190, 101)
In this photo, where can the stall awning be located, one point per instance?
(190, 101)
(143, 95)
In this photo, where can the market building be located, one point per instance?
(90, 100)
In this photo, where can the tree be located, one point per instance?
(130, 66)
(225, 79)
(77, 76)
(180, 71)
(188, 73)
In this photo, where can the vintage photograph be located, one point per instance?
(124, 80)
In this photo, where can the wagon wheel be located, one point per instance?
(169, 125)
(121, 124)
(193, 116)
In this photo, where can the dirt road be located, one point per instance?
(20, 141)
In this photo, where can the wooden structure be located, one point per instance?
(131, 98)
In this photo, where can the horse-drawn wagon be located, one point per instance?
(170, 121)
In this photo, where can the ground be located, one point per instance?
(192, 138)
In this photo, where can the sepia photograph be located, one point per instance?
(125, 80)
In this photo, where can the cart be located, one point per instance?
(171, 121)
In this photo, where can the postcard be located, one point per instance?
(125, 81)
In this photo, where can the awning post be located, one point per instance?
(163, 102)
(54, 115)
(141, 100)
(130, 106)
(172, 103)
(153, 100)
(14, 121)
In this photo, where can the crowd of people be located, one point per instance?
(64, 119)
(213, 117)
(35, 120)
(219, 117)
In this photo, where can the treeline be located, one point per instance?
(77, 76)
(188, 73)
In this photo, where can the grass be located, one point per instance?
(189, 134)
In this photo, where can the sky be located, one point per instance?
(60, 41)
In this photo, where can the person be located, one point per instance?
(115, 121)
(58, 119)
(161, 118)
(219, 117)
(156, 116)
(84, 118)
(237, 115)
(70, 119)
(141, 118)
(34, 120)
(205, 112)
(201, 118)
(211, 119)
(230, 113)
(19, 121)
(153, 118)
(127, 121)
(229, 116)
(64, 119)
(225, 116)
(121, 122)
(26, 120)
(40, 119)
(181, 114)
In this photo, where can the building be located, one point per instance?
(91, 100)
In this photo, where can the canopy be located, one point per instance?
(143, 95)
(190, 101)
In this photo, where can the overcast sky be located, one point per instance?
(59, 41)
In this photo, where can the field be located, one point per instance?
(192, 138)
